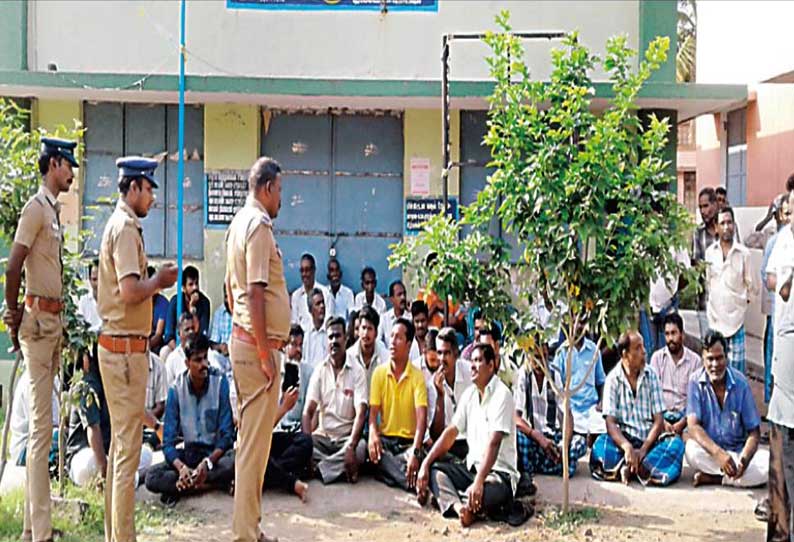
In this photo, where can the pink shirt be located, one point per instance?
(675, 377)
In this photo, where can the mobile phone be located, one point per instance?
(291, 376)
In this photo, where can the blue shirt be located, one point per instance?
(633, 412)
(159, 311)
(203, 421)
(221, 329)
(587, 397)
(728, 426)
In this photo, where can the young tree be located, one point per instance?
(584, 194)
(19, 181)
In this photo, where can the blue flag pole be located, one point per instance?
(180, 191)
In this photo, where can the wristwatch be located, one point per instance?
(418, 452)
(208, 461)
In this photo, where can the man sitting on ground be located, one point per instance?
(675, 364)
(450, 382)
(633, 409)
(539, 418)
(88, 440)
(368, 351)
(399, 303)
(291, 422)
(368, 296)
(315, 341)
(193, 301)
(723, 423)
(420, 319)
(290, 451)
(198, 411)
(220, 335)
(175, 362)
(586, 403)
(338, 390)
(397, 413)
(486, 484)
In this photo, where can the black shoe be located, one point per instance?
(762, 510)
(169, 501)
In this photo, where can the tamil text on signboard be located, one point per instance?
(226, 193)
(419, 210)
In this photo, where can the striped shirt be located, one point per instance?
(633, 413)
(674, 377)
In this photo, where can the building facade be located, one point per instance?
(347, 99)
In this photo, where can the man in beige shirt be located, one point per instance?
(338, 390)
(36, 327)
(731, 286)
(257, 296)
(125, 305)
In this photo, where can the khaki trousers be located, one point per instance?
(124, 378)
(40, 337)
(257, 413)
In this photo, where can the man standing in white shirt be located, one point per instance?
(341, 294)
(368, 295)
(86, 306)
(731, 284)
(780, 270)
(299, 301)
(399, 302)
(663, 300)
(315, 340)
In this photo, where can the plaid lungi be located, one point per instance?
(736, 350)
(532, 458)
(663, 462)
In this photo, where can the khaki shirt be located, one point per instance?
(39, 230)
(252, 256)
(122, 254)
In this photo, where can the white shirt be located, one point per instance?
(156, 388)
(86, 308)
(20, 416)
(662, 291)
(479, 419)
(453, 397)
(377, 303)
(175, 365)
(315, 346)
(539, 398)
(337, 397)
(731, 283)
(379, 356)
(781, 262)
(387, 320)
(415, 355)
(343, 301)
(300, 306)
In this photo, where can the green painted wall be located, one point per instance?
(13, 35)
(660, 18)
(50, 114)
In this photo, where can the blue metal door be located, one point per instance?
(343, 188)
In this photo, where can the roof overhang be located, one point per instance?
(689, 100)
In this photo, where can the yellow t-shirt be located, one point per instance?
(398, 400)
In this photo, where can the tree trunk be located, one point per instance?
(7, 423)
(566, 445)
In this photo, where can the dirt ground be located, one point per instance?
(370, 511)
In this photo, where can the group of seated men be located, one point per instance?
(381, 392)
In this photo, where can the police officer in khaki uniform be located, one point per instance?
(125, 306)
(36, 328)
(257, 295)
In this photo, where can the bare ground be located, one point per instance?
(370, 511)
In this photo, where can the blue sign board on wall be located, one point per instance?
(309, 5)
